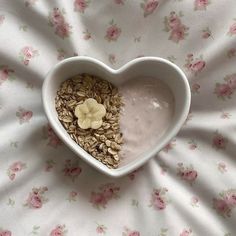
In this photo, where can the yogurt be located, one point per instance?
(146, 115)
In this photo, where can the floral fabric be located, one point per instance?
(188, 189)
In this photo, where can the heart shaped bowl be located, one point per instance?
(155, 67)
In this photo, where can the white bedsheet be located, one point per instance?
(188, 189)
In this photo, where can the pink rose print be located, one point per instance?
(221, 206)
(52, 138)
(34, 201)
(225, 203)
(106, 193)
(219, 141)
(194, 65)
(59, 230)
(72, 169)
(231, 199)
(177, 34)
(222, 167)
(226, 89)
(149, 6)
(29, 52)
(29, 3)
(159, 200)
(225, 115)
(26, 54)
(192, 144)
(194, 201)
(58, 22)
(5, 232)
(113, 32)
(206, 33)
(231, 52)
(72, 196)
(36, 198)
(178, 31)
(232, 29)
(15, 168)
(133, 174)
(2, 18)
(101, 229)
(201, 4)
(56, 17)
(112, 58)
(109, 191)
(195, 88)
(170, 146)
(23, 115)
(173, 21)
(187, 173)
(87, 35)
(5, 73)
(81, 5)
(231, 81)
(198, 66)
(186, 232)
(49, 165)
(63, 30)
(119, 2)
(129, 232)
(223, 91)
(98, 200)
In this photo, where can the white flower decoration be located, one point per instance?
(90, 114)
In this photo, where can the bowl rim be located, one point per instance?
(126, 169)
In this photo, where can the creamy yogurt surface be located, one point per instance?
(147, 114)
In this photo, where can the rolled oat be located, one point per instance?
(105, 142)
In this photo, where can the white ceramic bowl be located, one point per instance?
(156, 67)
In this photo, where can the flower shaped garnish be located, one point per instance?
(90, 114)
